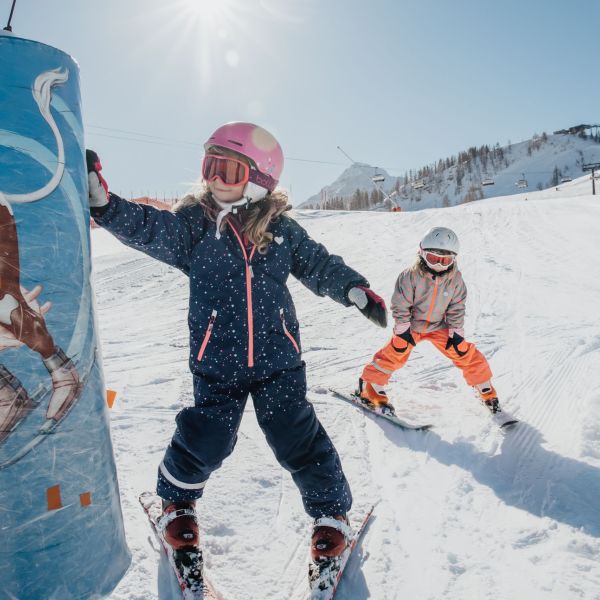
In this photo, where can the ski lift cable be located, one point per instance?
(199, 145)
(380, 189)
(10, 16)
(167, 142)
(156, 137)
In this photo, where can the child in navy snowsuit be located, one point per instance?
(238, 246)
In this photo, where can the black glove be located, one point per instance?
(407, 337)
(370, 304)
(457, 342)
(98, 188)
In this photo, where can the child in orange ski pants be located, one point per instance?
(429, 304)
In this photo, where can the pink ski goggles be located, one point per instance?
(233, 172)
(432, 258)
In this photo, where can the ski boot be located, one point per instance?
(330, 537)
(15, 403)
(66, 386)
(180, 525)
(177, 527)
(329, 551)
(488, 396)
(374, 397)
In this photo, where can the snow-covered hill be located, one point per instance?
(464, 511)
(527, 166)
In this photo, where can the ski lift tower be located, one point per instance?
(593, 167)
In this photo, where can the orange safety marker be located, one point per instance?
(53, 497)
(85, 499)
(110, 397)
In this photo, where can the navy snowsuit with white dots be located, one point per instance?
(244, 340)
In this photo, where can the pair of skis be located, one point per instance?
(503, 419)
(188, 565)
(324, 576)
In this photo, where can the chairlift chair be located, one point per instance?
(522, 183)
(487, 180)
(565, 179)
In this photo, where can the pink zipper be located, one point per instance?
(207, 335)
(249, 276)
(285, 329)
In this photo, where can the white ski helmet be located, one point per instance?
(440, 238)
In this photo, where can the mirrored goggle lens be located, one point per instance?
(229, 170)
(439, 259)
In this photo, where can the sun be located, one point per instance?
(209, 38)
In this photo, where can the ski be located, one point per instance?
(353, 398)
(187, 565)
(324, 576)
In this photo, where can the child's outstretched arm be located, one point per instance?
(326, 274)
(166, 236)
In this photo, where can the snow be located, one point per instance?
(464, 510)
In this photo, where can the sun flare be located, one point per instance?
(212, 11)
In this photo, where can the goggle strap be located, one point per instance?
(262, 180)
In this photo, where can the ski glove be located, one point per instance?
(98, 188)
(457, 341)
(402, 331)
(370, 304)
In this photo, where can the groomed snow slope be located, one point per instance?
(464, 511)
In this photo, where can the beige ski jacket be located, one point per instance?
(429, 302)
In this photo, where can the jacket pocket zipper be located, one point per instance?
(207, 335)
(287, 333)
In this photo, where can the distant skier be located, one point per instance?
(428, 303)
(238, 246)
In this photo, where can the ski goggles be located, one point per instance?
(233, 172)
(432, 258)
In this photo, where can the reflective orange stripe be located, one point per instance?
(248, 295)
(430, 310)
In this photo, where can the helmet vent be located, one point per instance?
(236, 143)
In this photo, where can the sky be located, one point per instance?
(395, 83)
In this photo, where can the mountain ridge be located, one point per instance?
(544, 161)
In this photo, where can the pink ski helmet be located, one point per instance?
(256, 144)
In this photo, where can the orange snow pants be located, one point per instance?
(474, 366)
